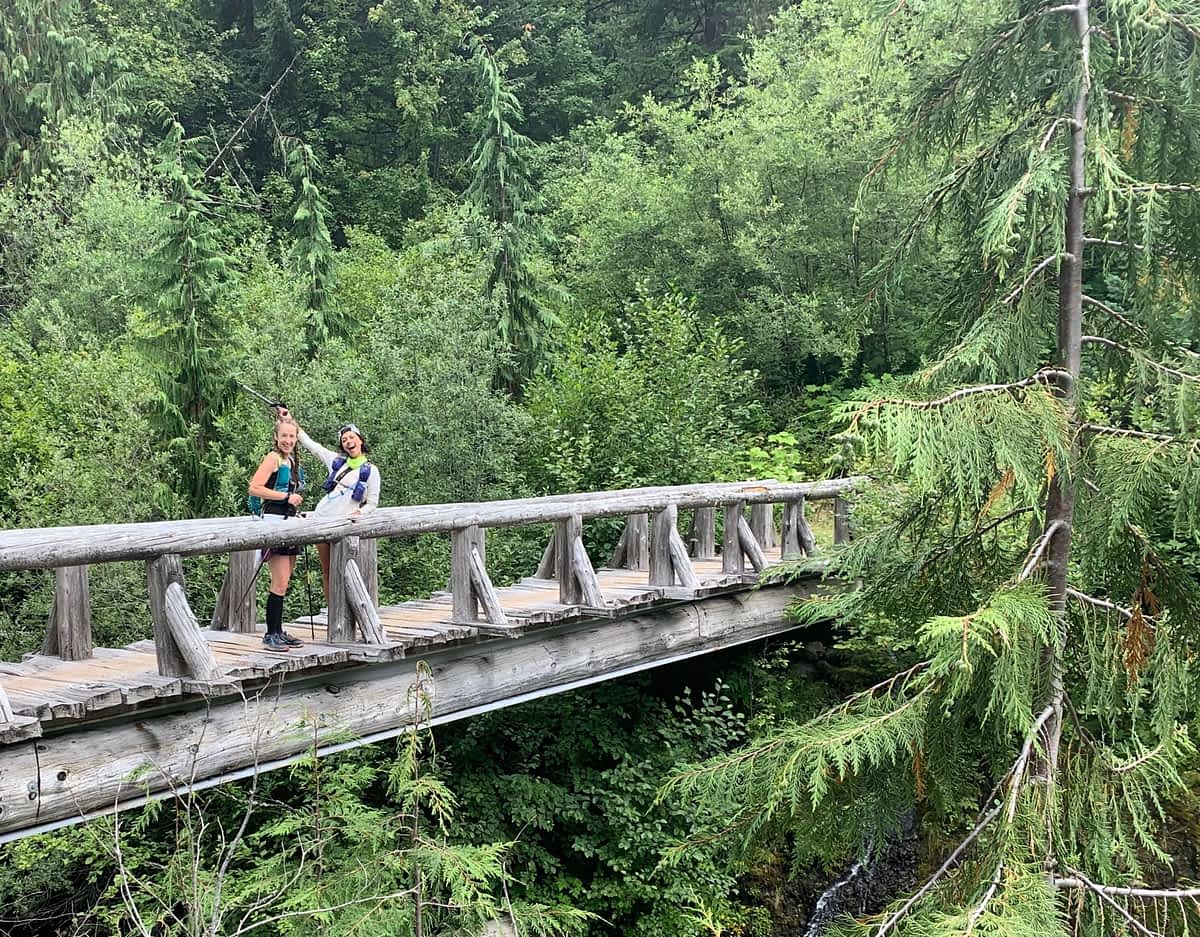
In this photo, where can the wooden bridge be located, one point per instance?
(85, 730)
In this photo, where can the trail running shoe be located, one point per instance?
(290, 641)
(275, 642)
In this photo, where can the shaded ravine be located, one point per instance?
(867, 885)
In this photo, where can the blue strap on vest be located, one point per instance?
(359, 494)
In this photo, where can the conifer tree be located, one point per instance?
(502, 193)
(1040, 483)
(44, 67)
(184, 334)
(312, 246)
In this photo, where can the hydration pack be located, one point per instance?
(280, 480)
(336, 474)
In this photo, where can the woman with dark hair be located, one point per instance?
(276, 487)
(352, 486)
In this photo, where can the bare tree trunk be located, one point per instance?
(1060, 501)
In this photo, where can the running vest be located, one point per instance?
(280, 480)
(336, 474)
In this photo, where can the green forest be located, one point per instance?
(550, 247)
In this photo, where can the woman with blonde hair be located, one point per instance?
(275, 489)
(352, 486)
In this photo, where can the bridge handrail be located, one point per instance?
(651, 541)
(55, 547)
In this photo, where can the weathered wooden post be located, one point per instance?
(789, 545)
(704, 533)
(798, 537)
(547, 566)
(485, 592)
(750, 546)
(566, 531)
(464, 599)
(577, 582)
(368, 565)
(362, 606)
(178, 644)
(69, 631)
(186, 631)
(841, 520)
(160, 573)
(237, 602)
(762, 522)
(341, 615)
(350, 598)
(669, 560)
(585, 575)
(732, 556)
(661, 571)
(633, 549)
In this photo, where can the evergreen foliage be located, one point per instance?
(45, 67)
(1023, 640)
(312, 247)
(502, 193)
(1070, 687)
(185, 338)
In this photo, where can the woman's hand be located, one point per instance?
(295, 498)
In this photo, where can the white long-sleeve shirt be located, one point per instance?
(338, 502)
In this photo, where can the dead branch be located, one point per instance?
(950, 863)
(1106, 896)
(1133, 326)
(1101, 430)
(1018, 769)
(263, 105)
(977, 911)
(1040, 548)
(1077, 880)
(1044, 376)
(310, 912)
(1046, 262)
(1099, 603)
(1157, 365)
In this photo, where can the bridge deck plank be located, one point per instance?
(45, 689)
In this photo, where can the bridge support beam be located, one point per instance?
(86, 771)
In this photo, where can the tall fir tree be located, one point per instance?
(312, 247)
(184, 335)
(1040, 532)
(502, 194)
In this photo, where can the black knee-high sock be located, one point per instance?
(274, 613)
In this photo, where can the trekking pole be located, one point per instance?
(273, 404)
(254, 579)
(312, 625)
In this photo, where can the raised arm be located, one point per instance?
(325, 455)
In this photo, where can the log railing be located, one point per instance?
(650, 541)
